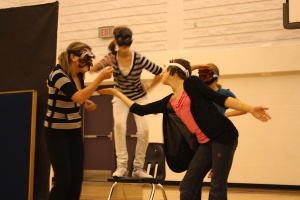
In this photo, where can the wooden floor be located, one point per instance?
(93, 190)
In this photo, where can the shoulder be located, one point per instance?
(193, 80)
(139, 56)
(136, 54)
(226, 92)
(57, 72)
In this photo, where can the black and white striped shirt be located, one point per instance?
(130, 84)
(62, 113)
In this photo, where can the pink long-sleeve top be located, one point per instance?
(182, 109)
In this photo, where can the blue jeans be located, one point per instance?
(211, 155)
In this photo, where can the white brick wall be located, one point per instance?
(81, 21)
(9, 3)
(234, 23)
(240, 36)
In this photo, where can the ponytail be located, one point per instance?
(63, 60)
(112, 46)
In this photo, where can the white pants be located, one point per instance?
(120, 113)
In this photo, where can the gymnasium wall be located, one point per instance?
(258, 59)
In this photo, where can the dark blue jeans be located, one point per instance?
(211, 155)
(65, 149)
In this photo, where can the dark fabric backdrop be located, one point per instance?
(28, 39)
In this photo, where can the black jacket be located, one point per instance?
(180, 144)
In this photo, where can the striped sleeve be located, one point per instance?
(149, 65)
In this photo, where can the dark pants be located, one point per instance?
(211, 155)
(65, 149)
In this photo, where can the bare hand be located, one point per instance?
(260, 113)
(90, 106)
(107, 72)
(109, 91)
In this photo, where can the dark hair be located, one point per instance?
(173, 69)
(112, 44)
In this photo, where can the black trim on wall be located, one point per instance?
(285, 18)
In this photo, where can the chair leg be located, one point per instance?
(162, 191)
(111, 190)
(152, 192)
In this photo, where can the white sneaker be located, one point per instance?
(140, 173)
(120, 172)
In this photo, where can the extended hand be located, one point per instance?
(260, 113)
(109, 91)
(107, 72)
(90, 106)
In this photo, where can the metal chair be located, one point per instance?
(154, 165)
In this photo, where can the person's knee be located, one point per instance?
(119, 126)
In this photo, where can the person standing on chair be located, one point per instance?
(128, 67)
(192, 100)
(64, 137)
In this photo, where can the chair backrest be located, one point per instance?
(155, 161)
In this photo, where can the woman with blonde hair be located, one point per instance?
(64, 137)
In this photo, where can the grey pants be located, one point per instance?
(211, 155)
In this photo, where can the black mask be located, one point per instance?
(123, 37)
(85, 58)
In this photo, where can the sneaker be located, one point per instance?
(120, 172)
(140, 173)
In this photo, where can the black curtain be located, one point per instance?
(28, 40)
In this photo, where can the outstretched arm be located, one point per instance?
(234, 112)
(155, 107)
(107, 60)
(193, 84)
(259, 112)
(199, 66)
(82, 95)
(120, 95)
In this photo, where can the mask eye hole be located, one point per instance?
(87, 55)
